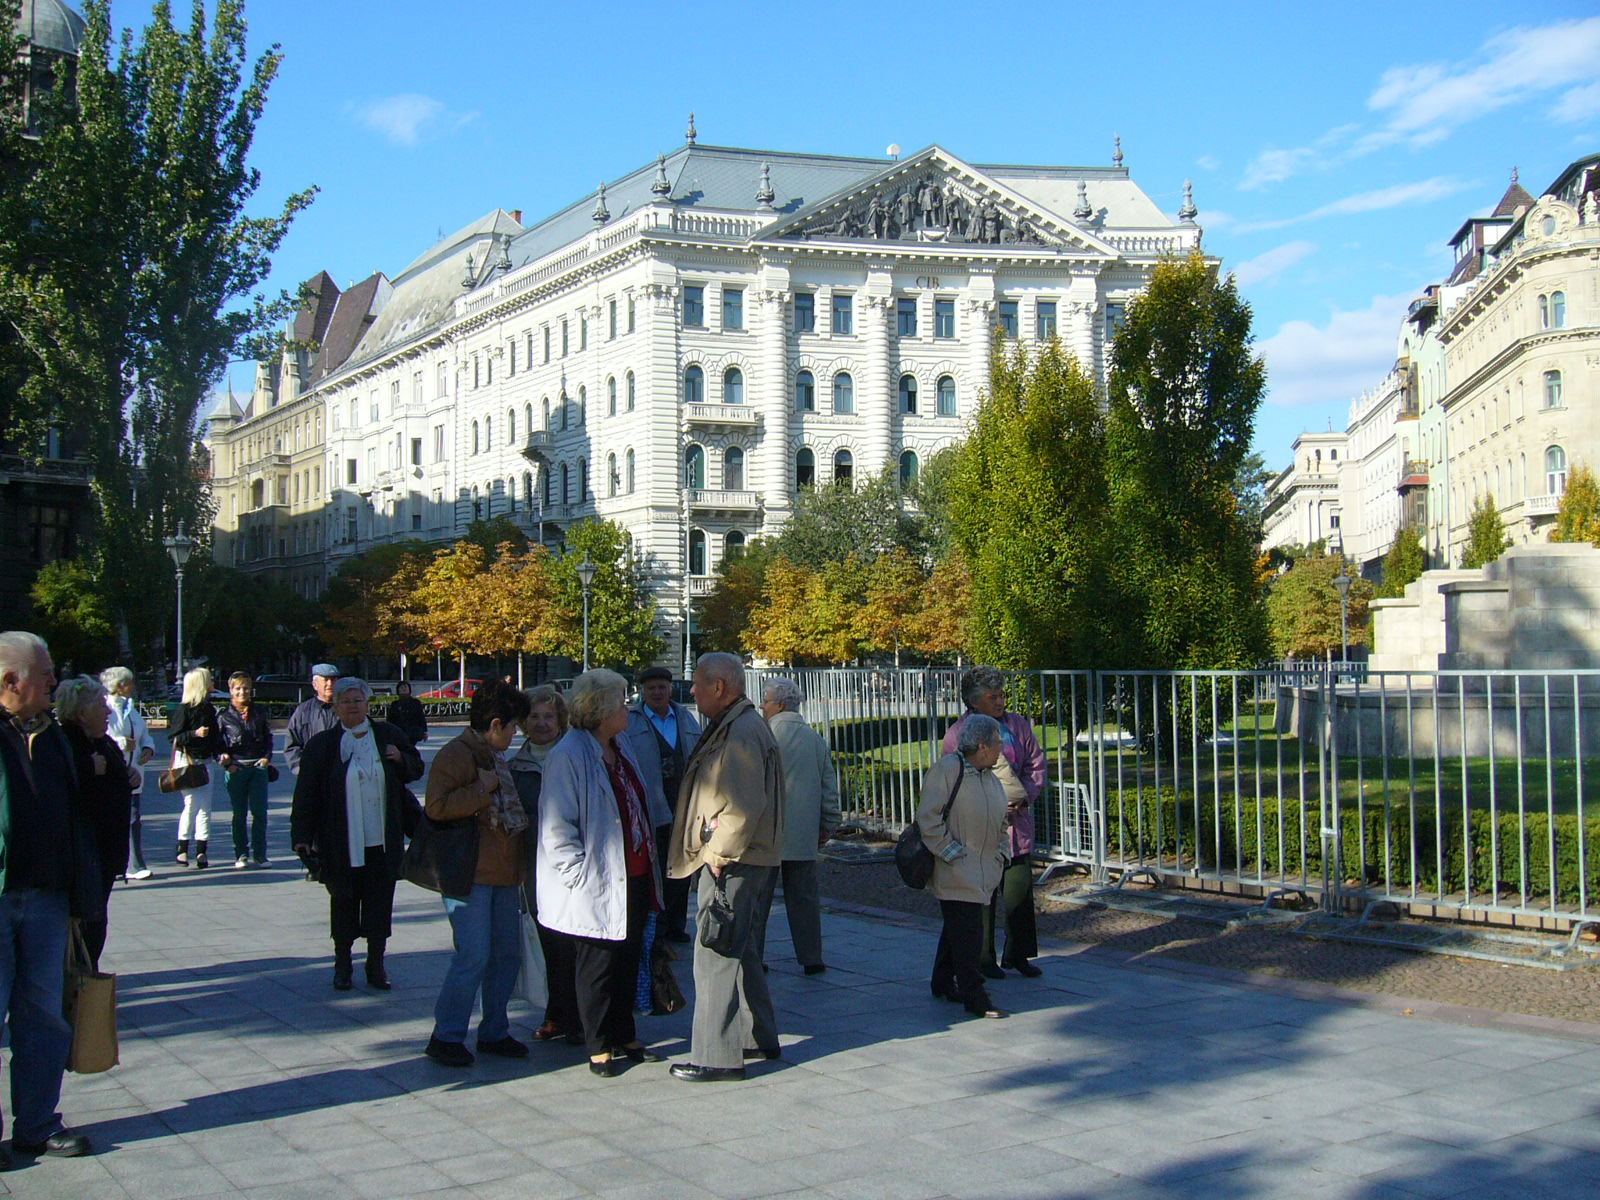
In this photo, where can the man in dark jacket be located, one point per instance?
(312, 716)
(663, 736)
(41, 847)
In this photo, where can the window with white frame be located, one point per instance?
(1555, 471)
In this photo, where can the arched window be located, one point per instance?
(566, 484)
(908, 393)
(549, 484)
(511, 426)
(732, 545)
(694, 468)
(694, 386)
(258, 494)
(844, 393)
(511, 493)
(630, 472)
(583, 406)
(843, 466)
(612, 481)
(527, 418)
(733, 469)
(477, 504)
(630, 391)
(547, 414)
(908, 468)
(947, 396)
(697, 552)
(564, 404)
(1555, 471)
(488, 433)
(527, 488)
(1552, 389)
(611, 395)
(733, 386)
(1544, 312)
(1558, 310)
(583, 480)
(805, 392)
(475, 437)
(805, 468)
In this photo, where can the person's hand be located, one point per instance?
(223, 760)
(716, 871)
(203, 731)
(392, 753)
(99, 761)
(134, 778)
(146, 755)
(263, 762)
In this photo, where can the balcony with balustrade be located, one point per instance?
(708, 500)
(721, 416)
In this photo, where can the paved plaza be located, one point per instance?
(244, 1074)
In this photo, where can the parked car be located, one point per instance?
(451, 691)
(283, 687)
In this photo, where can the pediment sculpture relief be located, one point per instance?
(934, 208)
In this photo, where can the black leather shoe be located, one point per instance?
(990, 971)
(449, 1054)
(989, 1011)
(816, 968)
(697, 1074)
(605, 1068)
(945, 991)
(63, 1143)
(637, 1054)
(1024, 968)
(506, 1047)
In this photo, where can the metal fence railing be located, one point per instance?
(1453, 792)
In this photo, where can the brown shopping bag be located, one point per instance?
(89, 1002)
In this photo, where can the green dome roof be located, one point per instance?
(50, 25)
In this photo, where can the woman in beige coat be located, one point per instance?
(963, 822)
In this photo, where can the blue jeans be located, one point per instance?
(33, 950)
(487, 935)
(247, 793)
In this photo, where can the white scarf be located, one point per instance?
(364, 788)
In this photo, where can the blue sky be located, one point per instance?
(1333, 149)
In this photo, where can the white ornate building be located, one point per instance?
(679, 353)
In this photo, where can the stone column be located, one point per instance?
(976, 330)
(769, 466)
(875, 399)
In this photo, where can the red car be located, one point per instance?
(451, 691)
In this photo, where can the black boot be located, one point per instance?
(181, 854)
(342, 966)
(200, 862)
(376, 976)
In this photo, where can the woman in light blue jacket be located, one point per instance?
(598, 879)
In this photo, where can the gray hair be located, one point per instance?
(197, 686)
(74, 695)
(19, 651)
(784, 692)
(976, 732)
(549, 693)
(980, 681)
(719, 664)
(351, 683)
(595, 695)
(114, 677)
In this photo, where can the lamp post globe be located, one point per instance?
(179, 547)
(586, 570)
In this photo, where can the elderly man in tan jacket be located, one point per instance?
(729, 819)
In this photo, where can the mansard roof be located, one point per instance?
(1516, 197)
(354, 313)
(50, 25)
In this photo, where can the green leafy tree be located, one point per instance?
(127, 273)
(1404, 563)
(497, 535)
(1486, 534)
(622, 612)
(832, 523)
(724, 614)
(246, 622)
(1029, 512)
(1185, 387)
(1303, 609)
(1578, 518)
(71, 614)
(369, 602)
(1250, 493)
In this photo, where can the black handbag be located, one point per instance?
(184, 779)
(912, 858)
(717, 920)
(443, 856)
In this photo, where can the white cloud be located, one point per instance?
(1579, 104)
(1400, 195)
(399, 118)
(1208, 162)
(1333, 363)
(1264, 266)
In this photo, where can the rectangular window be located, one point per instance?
(511, 356)
(1045, 319)
(944, 318)
(442, 382)
(355, 413)
(547, 343)
(611, 310)
(583, 333)
(416, 387)
(844, 316)
(566, 338)
(438, 443)
(1116, 314)
(394, 395)
(416, 452)
(630, 315)
(694, 305)
(350, 528)
(349, 470)
(416, 521)
(805, 312)
(906, 318)
(732, 308)
(1008, 317)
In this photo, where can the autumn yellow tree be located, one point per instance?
(895, 594)
(943, 615)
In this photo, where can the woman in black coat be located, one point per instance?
(105, 793)
(196, 739)
(406, 711)
(349, 821)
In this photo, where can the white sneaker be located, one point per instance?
(240, 863)
(141, 873)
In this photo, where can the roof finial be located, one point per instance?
(601, 213)
(689, 134)
(470, 277)
(1513, 175)
(1116, 154)
(503, 263)
(1082, 211)
(766, 195)
(661, 186)
(1188, 212)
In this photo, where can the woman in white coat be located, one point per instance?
(963, 821)
(597, 876)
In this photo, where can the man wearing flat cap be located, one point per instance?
(663, 736)
(312, 716)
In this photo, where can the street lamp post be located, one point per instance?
(179, 547)
(1341, 584)
(585, 578)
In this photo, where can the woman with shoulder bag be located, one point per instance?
(962, 817)
(471, 780)
(192, 729)
(350, 817)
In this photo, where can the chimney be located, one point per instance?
(516, 215)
